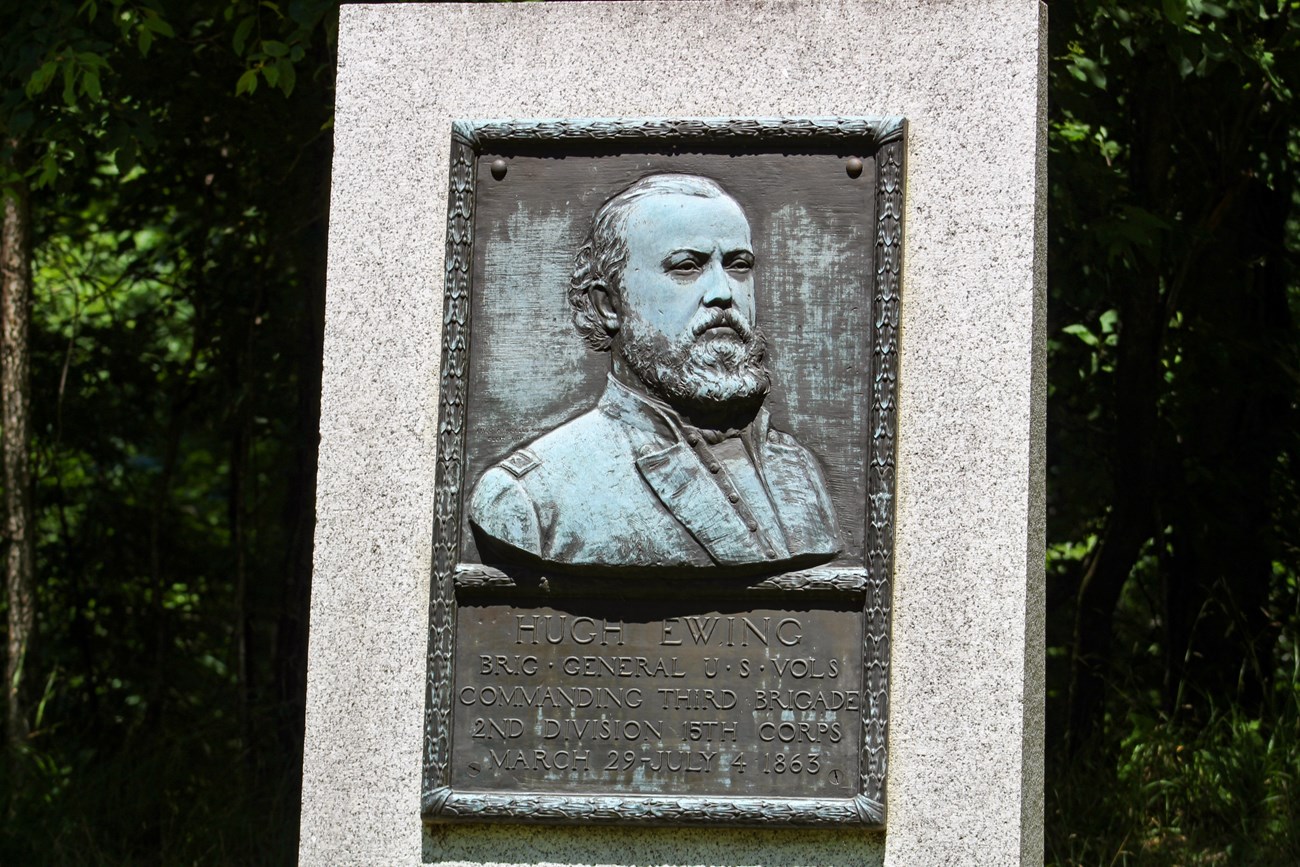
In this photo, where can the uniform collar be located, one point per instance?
(653, 416)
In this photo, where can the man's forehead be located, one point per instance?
(679, 219)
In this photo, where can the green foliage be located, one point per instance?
(276, 60)
(72, 70)
(178, 269)
(1174, 529)
(1226, 793)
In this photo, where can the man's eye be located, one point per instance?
(743, 265)
(688, 267)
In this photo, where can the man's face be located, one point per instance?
(687, 300)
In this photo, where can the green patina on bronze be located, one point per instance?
(677, 465)
(663, 541)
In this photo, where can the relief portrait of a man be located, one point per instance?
(677, 464)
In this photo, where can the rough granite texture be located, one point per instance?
(965, 773)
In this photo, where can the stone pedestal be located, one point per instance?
(965, 752)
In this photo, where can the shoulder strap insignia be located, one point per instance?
(780, 438)
(520, 463)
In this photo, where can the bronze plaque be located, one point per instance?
(681, 700)
(665, 492)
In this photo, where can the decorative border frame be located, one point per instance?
(883, 137)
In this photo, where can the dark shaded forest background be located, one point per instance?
(165, 168)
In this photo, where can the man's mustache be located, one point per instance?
(716, 317)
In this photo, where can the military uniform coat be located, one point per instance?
(629, 485)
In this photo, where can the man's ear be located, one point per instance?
(605, 305)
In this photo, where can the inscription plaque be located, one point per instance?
(664, 518)
(760, 702)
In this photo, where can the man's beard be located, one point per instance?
(709, 373)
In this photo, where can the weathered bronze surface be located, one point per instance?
(678, 465)
(658, 698)
(662, 567)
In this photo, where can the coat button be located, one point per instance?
(735, 498)
(713, 468)
(692, 440)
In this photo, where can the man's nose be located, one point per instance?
(717, 289)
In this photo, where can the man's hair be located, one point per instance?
(603, 256)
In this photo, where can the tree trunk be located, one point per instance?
(15, 388)
(239, 473)
(1132, 519)
(1233, 440)
(1133, 516)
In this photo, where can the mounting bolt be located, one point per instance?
(853, 167)
(499, 169)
